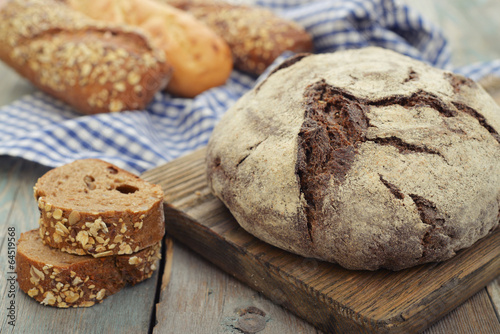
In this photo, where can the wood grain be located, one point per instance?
(330, 297)
(494, 294)
(200, 298)
(485, 322)
(128, 311)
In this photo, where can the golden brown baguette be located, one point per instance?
(93, 66)
(255, 35)
(201, 59)
(93, 207)
(63, 280)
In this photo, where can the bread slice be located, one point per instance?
(64, 280)
(93, 207)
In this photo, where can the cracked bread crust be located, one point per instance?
(93, 207)
(63, 280)
(365, 158)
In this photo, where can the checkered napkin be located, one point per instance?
(42, 129)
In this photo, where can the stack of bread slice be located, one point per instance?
(100, 228)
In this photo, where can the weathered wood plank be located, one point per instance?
(493, 290)
(128, 311)
(332, 298)
(480, 318)
(200, 298)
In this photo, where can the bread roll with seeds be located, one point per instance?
(93, 66)
(93, 207)
(63, 280)
(255, 35)
(201, 59)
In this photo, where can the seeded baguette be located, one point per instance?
(93, 66)
(255, 35)
(63, 280)
(93, 207)
(200, 58)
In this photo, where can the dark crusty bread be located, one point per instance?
(363, 157)
(200, 58)
(63, 280)
(255, 35)
(93, 207)
(93, 66)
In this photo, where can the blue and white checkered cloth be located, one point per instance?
(42, 129)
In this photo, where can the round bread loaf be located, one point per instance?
(365, 158)
(93, 207)
(64, 280)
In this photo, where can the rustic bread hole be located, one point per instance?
(412, 75)
(242, 159)
(89, 181)
(112, 170)
(126, 189)
(217, 162)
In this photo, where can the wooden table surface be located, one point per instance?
(190, 295)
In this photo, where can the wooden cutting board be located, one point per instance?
(334, 299)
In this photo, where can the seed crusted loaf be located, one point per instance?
(366, 158)
(93, 207)
(94, 66)
(64, 280)
(255, 35)
(200, 58)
